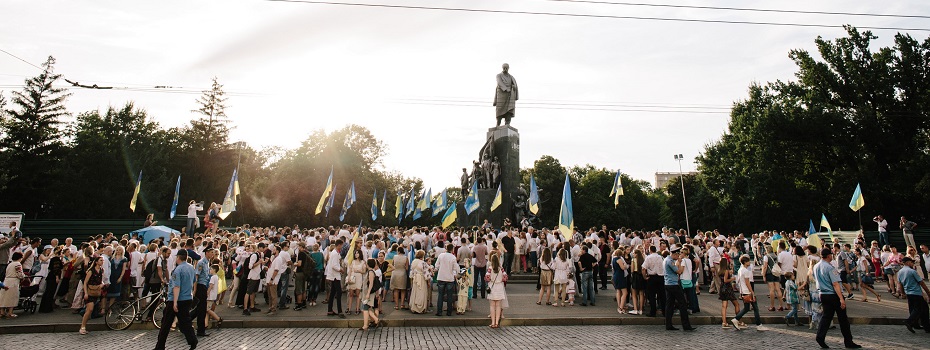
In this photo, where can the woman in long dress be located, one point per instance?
(562, 266)
(419, 299)
(9, 297)
(496, 278)
(545, 276)
(399, 279)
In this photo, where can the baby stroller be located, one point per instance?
(28, 290)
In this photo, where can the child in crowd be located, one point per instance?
(791, 297)
(570, 289)
(212, 293)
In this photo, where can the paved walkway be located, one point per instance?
(523, 311)
(531, 337)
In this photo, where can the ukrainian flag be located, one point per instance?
(383, 203)
(442, 201)
(534, 196)
(177, 193)
(135, 193)
(229, 202)
(326, 192)
(374, 206)
(351, 254)
(398, 207)
(348, 202)
(449, 217)
(332, 201)
(617, 190)
(411, 203)
(566, 217)
(825, 223)
(425, 200)
(472, 203)
(857, 201)
(498, 198)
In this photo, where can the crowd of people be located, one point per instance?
(652, 273)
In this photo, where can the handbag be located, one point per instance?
(687, 284)
(868, 279)
(747, 298)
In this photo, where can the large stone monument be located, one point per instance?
(498, 162)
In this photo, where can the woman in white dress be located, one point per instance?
(562, 266)
(496, 278)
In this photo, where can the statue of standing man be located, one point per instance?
(505, 96)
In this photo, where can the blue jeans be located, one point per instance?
(587, 286)
(283, 284)
(480, 284)
(446, 293)
(882, 239)
(794, 313)
(745, 309)
(190, 226)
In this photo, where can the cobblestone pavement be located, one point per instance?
(554, 337)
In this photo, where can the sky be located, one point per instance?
(624, 94)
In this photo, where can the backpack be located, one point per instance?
(852, 260)
(774, 267)
(149, 270)
(376, 285)
(310, 270)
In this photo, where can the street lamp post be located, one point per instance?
(681, 179)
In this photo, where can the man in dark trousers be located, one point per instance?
(179, 303)
(200, 291)
(828, 282)
(674, 294)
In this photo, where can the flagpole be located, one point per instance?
(238, 161)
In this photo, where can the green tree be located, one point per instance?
(550, 176)
(795, 149)
(212, 129)
(32, 142)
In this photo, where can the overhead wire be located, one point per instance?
(583, 15)
(744, 9)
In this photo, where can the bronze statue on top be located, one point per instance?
(505, 96)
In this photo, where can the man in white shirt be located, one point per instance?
(882, 230)
(192, 219)
(714, 254)
(334, 277)
(655, 281)
(447, 267)
(254, 279)
(785, 261)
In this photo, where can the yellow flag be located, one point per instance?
(135, 193)
(498, 198)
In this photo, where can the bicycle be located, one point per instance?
(123, 314)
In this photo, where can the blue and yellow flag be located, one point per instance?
(498, 198)
(825, 223)
(135, 193)
(617, 190)
(398, 207)
(332, 200)
(566, 217)
(326, 192)
(441, 202)
(425, 200)
(174, 203)
(374, 206)
(411, 203)
(857, 201)
(534, 196)
(351, 254)
(449, 217)
(472, 203)
(348, 202)
(383, 203)
(229, 202)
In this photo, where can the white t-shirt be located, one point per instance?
(255, 272)
(741, 277)
(135, 261)
(278, 265)
(786, 261)
(687, 271)
(211, 293)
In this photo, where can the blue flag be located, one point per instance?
(566, 216)
(374, 206)
(174, 204)
(331, 201)
(472, 203)
(812, 230)
(534, 196)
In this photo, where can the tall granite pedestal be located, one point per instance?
(507, 150)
